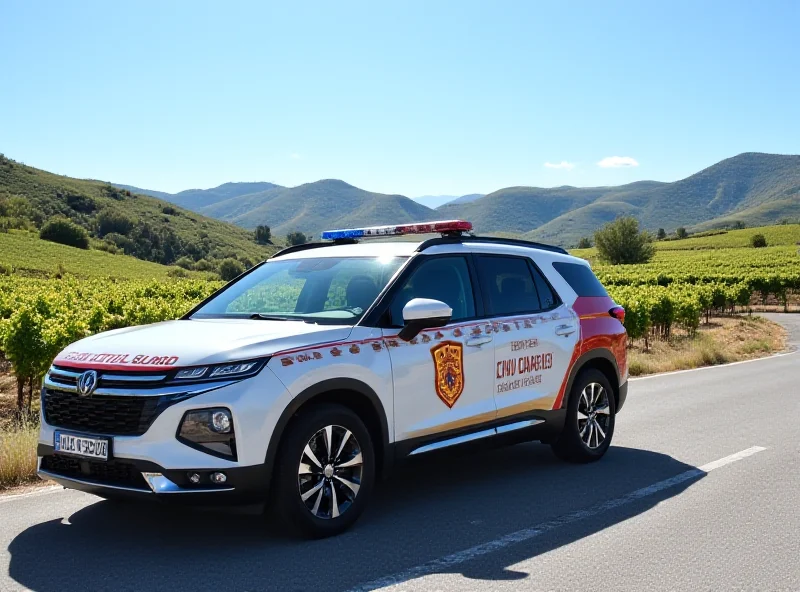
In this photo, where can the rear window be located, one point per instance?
(581, 279)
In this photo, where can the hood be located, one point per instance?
(174, 344)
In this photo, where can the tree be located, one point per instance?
(66, 232)
(229, 269)
(661, 234)
(758, 240)
(738, 225)
(263, 234)
(680, 232)
(296, 238)
(109, 220)
(585, 243)
(621, 241)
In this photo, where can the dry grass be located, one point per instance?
(17, 439)
(724, 339)
(18, 454)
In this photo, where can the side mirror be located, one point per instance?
(423, 313)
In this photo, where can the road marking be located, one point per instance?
(662, 374)
(448, 561)
(36, 493)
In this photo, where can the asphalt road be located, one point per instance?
(657, 513)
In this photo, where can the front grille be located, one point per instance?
(117, 473)
(98, 414)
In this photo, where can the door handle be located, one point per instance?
(565, 330)
(478, 341)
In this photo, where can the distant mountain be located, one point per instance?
(434, 201)
(467, 198)
(314, 207)
(196, 199)
(753, 188)
(437, 201)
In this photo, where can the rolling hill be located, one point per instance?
(197, 199)
(119, 220)
(752, 188)
(317, 206)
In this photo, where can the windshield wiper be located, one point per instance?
(266, 317)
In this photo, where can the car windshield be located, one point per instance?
(329, 290)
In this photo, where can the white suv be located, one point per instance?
(300, 382)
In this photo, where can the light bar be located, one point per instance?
(442, 226)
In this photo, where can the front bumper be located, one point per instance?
(144, 480)
(156, 465)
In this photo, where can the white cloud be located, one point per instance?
(560, 165)
(294, 155)
(617, 162)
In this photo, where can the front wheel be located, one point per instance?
(589, 425)
(325, 472)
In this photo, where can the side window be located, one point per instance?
(581, 279)
(547, 298)
(440, 278)
(508, 285)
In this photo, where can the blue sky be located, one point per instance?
(403, 97)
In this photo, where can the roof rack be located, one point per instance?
(448, 240)
(307, 246)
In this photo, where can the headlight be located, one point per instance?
(210, 430)
(220, 371)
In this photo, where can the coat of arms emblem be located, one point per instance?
(448, 364)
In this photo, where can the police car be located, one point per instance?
(306, 378)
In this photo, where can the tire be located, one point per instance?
(322, 494)
(580, 441)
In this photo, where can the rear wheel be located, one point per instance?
(589, 425)
(325, 472)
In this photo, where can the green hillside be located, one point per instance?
(750, 188)
(119, 220)
(197, 199)
(314, 207)
(26, 254)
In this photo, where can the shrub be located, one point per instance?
(296, 238)
(169, 211)
(229, 269)
(758, 240)
(204, 265)
(680, 232)
(185, 262)
(661, 234)
(177, 272)
(263, 234)
(81, 203)
(65, 232)
(621, 241)
(585, 243)
(111, 221)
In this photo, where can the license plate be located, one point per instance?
(85, 446)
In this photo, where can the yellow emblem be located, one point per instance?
(448, 363)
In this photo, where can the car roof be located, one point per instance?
(396, 248)
(363, 249)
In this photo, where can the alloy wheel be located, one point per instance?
(594, 415)
(330, 471)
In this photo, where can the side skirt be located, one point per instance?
(541, 425)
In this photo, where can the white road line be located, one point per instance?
(36, 493)
(444, 563)
(662, 374)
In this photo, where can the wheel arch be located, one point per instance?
(348, 392)
(599, 359)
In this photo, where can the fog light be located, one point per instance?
(218, 478)
(194, 478)
(221, 422)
